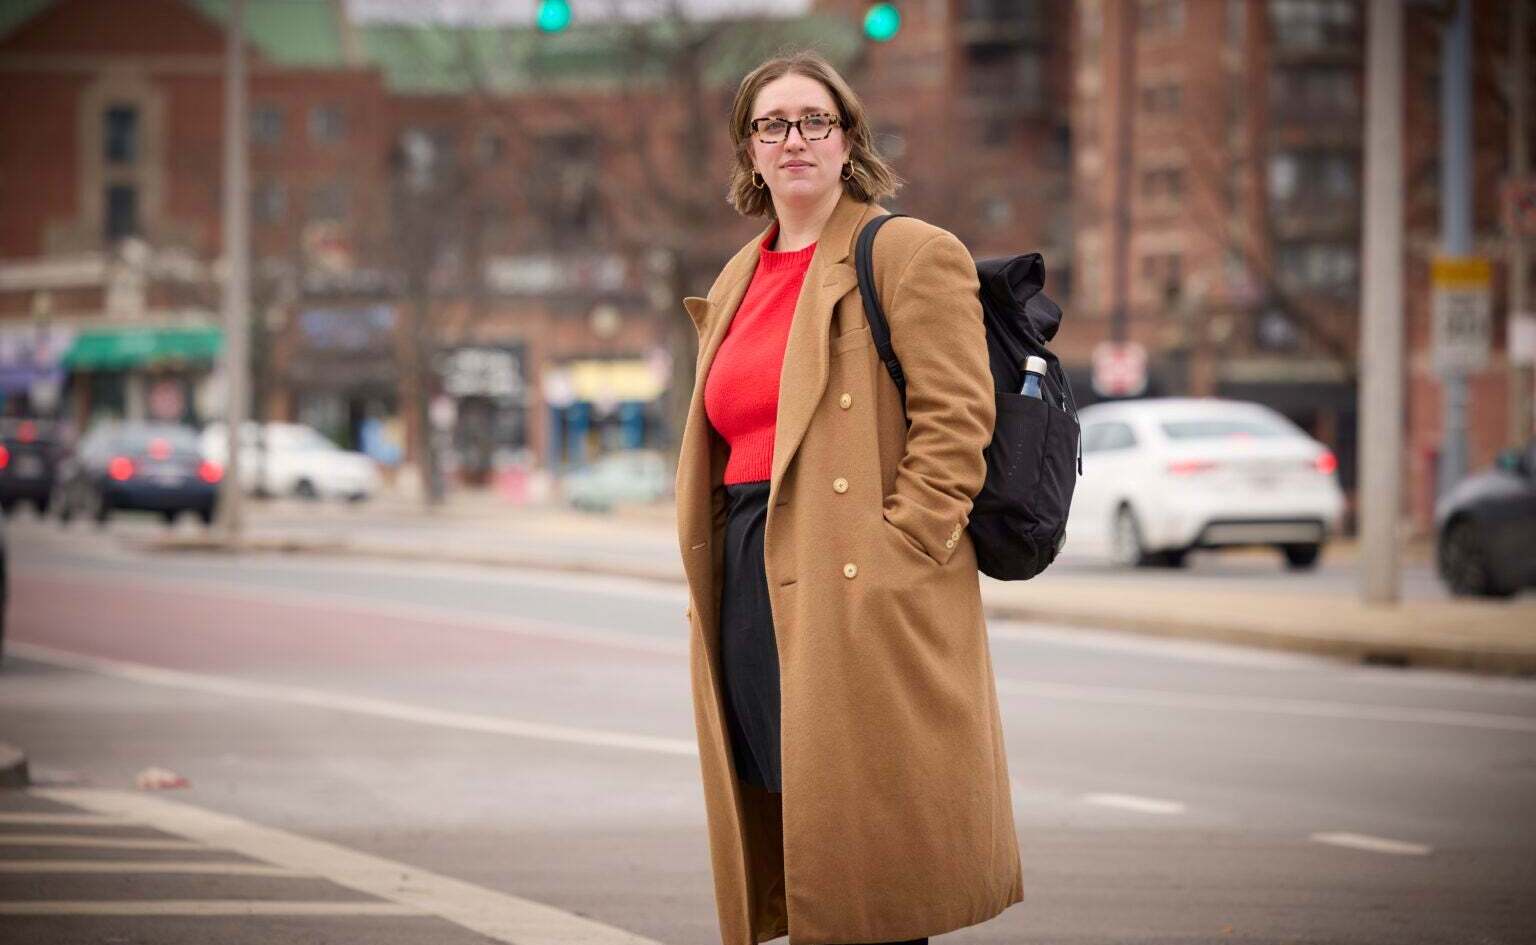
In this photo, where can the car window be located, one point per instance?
(1207, 428)
(136, 439)
(1117, 436)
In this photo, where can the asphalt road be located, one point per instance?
(396, 753)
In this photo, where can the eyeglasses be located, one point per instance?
(812, 127)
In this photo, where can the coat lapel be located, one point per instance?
(804, 375)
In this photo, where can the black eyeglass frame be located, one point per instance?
(837, 122)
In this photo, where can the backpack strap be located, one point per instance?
(864, 265)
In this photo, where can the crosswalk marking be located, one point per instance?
(203, 907)
(500, 917)
(104, 843)
(61, 820)
(144, 866)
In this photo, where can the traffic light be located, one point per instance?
(553, 16)
(881, 22)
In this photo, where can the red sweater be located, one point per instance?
(741, 394)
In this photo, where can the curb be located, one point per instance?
(1491, 660)
(13, 767)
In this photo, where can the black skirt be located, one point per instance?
(749, 653)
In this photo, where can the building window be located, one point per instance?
(1323, 268)
(328, 202)
(327, 124)
(121, 134)
(1314, 24)
(1305, 93)
(269, 203)
(1163, 274)
(122, 212)
(1004, 73)
(1164, 183)
(1331, 177)
(1163, 99)
(563, 186)
(1160, 16)
(267, 124)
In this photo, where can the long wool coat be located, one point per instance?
(896, 815)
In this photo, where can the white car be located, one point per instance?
(298, 461)
(1164, 476)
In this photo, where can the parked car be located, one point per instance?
(154, 467)
(1165, 476)
(632, 476)
(28, 463)
(298, 461)
(1485, 529)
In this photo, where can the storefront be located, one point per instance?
(598, 406)
(143, 373)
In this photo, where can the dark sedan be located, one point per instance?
(28, 462)
(1486, 529)
(152, 467)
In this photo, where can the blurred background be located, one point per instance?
(421, 264)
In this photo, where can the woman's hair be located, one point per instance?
(872, 177)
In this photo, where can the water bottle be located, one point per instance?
(1034, 378)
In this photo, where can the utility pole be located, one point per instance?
(1125, 84)
(1381, 316)
(1455, 216)
(1522, 380)
(237, 296)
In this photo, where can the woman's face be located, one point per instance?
(794, 169)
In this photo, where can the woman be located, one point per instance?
(852, 752)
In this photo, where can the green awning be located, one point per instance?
(112, 349)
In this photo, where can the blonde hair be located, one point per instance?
(872, 178)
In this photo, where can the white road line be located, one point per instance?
(1361, 841)
(358, 705)
(143, 866)
(203, 907)
(62, 820)
(102, 843)
(1144, 805)
(502, 917)
(1308, 708)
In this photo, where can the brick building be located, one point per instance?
(1240, 228)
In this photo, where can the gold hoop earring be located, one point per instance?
(757, 180)
(848, 169)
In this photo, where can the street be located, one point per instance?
(517, 747)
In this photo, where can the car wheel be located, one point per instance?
(1125, 543)
(169, 517)
(304, 489)
(1301, 557)
(206, 516)
(42, 505)
(6, 505)
(1171, 559)
(1463, 564)
(100, 509)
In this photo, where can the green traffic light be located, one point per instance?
(882, 22)
(554, 15)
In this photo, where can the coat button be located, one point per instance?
(850, 570)
(845, 401)
(839, 485)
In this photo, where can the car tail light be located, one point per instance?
(1327, 464)
(210, 472)
(5, 457)
(121, 468)
(27, 432)
(159, 449)
(1192, 467)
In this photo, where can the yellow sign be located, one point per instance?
(1460, 272)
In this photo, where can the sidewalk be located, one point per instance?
(1279, 613)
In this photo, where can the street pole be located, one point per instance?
(1381, 315)
(1455, 215)
(1125, 82)
(1522, 379)
(236, 297)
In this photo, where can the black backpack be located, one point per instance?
(1019, 519)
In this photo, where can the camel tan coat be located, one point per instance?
(896, 820)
